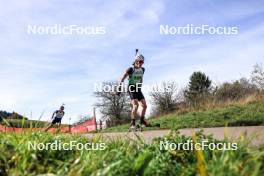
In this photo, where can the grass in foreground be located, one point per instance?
(124, 157)
(234, 115)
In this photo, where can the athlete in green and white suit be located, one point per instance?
(135, 76)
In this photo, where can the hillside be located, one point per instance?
(19, 123)
(234, 115)
(16, 120)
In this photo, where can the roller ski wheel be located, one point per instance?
(141, 127)
(132, 128)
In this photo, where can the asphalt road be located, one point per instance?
(255, 134)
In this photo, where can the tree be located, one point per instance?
(13, 115)
(257, 76)
(164, 99)
(115, 109)
(235, 90)
(198, 88)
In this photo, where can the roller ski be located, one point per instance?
(143, 124)
(136, 128)
(132, 127)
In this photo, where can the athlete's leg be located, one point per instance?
(58, 126)
(134, 103)
(48, 127)
(143, 104)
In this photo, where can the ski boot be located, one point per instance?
(132, 127)
(143, 124)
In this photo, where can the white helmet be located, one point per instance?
(139, 56)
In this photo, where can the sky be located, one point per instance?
(40, 72)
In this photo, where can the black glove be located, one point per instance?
(119, 90)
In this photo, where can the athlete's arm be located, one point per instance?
(123, 78)
(63, 114)
(142, 76)
(126, 74)
(53, 115)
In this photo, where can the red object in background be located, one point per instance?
(87, 126)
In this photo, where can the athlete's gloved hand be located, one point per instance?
(119, 90)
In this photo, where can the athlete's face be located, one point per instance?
(140, 63)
